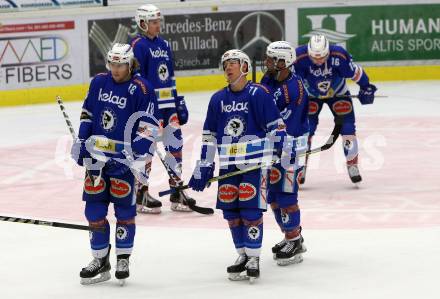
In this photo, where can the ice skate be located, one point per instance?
(122, 268)
(98, 270)
(291, 253)
(353, 172)
(178, 202)
(277, 248)
(253, 268)
(235, 271)
(146, 203)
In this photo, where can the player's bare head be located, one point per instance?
(148, 18)
(236, 64)
(280, 55)
(318, 49)
(121, 62)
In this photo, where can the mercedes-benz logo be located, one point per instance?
(255, 31)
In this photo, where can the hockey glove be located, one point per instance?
(182, 110)
(79, 152)
(366, 94)
(203, 172)
(117, 165)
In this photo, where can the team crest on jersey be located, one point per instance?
(227, 193)
(254, 233)
(108, 120)
(247, 192)
(163, 73)
(121, 233)
(324, 86)
(235, 126)
(90, 189)
(342, 107)
(119, 188)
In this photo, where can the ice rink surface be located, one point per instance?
(379, 241)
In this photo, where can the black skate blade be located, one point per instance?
(104, 276)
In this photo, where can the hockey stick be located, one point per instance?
(49, 223)
(331, 140)
(72, 132)
(346, 96)
(191, 203)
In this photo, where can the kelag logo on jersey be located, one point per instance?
(159, 53)
(234, 107)
(318, 72)
(114, 99)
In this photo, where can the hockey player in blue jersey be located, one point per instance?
(157, 66)
(292, 101)
(239, 119)
(119, 124)
(324, 69)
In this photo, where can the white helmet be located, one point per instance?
(318, 46)
(146, 13)
(239, 55)
(281, 50)
(120, 53)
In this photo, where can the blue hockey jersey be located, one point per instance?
(328, 79)
(292, 101)
(239, 124)
(117, 115)
(156, 65)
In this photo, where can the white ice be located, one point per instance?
(379, 241)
